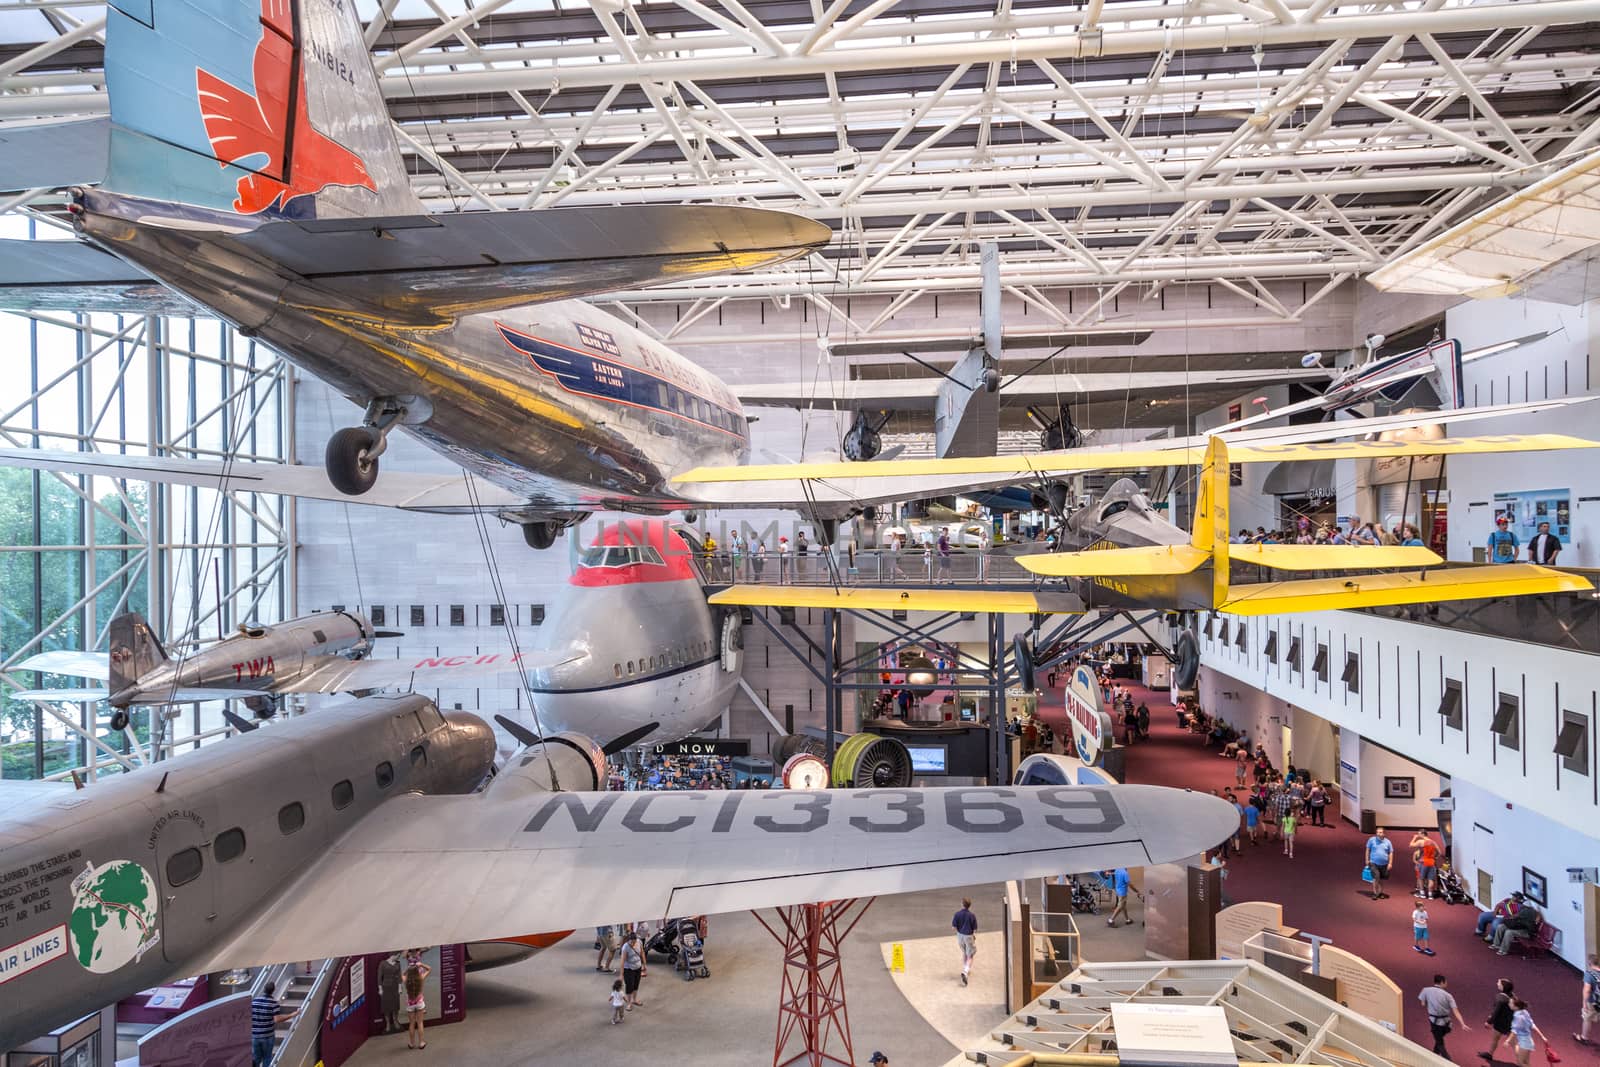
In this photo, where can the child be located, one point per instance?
(1252, 819)
(1291, 819)
(618, 1002)
(1419, 928)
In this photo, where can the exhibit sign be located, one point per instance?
(215, 1033)
(1091, 726)
(1527, 509)
(703, 746)
(1172, 1035)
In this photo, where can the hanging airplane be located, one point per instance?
(250, 851)
(633, 643)
(327, 652)
(263, 184)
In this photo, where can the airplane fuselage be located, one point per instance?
(559, 402)
(1123, 517)
(110, 890)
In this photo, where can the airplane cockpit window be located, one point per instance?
(619, 556)
(1123, 494)
(184, 867)
(431, 717)
(228, 846)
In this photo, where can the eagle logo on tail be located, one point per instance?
(256, 126)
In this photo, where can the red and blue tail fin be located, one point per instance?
(264, 108)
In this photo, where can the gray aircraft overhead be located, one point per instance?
(321, 653)
(245, 852)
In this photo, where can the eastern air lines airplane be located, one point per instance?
(254, 175)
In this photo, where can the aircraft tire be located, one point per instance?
(350, 469)
(1187, 670)
(119, 720)
(540, 535)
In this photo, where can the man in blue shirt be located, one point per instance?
(1380, 852)
(1120, 885)
(265, 1015)
(1503, 544)
(966, 927)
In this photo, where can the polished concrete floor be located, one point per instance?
(552, 1008)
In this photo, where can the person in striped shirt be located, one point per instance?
(265, 1015)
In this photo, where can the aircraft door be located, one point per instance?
(186, 879)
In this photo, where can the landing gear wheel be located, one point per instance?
(351, 467)
(691, 517)
(540, 535)
(119, 720)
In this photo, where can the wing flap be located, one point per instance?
(1418, 587)
(1334, 557)
(504, 863)
(864, 598)
(432, 672)
(1111, 562)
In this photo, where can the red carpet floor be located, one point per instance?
(1322, 893)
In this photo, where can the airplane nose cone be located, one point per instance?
(472, 743)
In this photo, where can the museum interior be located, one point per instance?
(908, 532)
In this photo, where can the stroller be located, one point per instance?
(691, 951)
(1084, 898)
(1451, 888)
(665, 942)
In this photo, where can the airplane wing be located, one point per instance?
(94, 696)
(1109, 562)
(431, 672)
(908, 394)
(512, 863)
(443, 493)
(428, 269)
(68, 661)
(1334, 557)
(1421, 587)
(71, 275)
(863, 598)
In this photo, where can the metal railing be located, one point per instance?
(912, 567)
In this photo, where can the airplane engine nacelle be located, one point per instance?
(577, 762)
(862, 442)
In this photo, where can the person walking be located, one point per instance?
(608, 949)
(1241, 764)
(944, 554)
(1425, 857)
(1523, 1031)
(879, 1060)
(619, 1002)
(1499, 1020)
(1288, 824)
(1419, 928)
(966, 927)
(1121, 886)
(632, 970)
(1144, 721)
(1589, 1009)
(1442, 1010)
(1317, 802)
(1252, 818)
(389, 972)
(265, 1015)
(416, 1007)
(1380, 853)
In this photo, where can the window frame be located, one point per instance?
(228, 835)
(287, 814)
(182, 854)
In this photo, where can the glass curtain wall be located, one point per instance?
(75, 551)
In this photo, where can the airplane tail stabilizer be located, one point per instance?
(267, 108)
(135, 652)
(1447, 366)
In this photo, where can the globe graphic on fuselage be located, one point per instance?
(113, 915)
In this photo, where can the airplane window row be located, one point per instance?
(670, 398)
(678, 657)
(185, 865)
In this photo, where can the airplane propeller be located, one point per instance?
(388, 633)
(611, 748)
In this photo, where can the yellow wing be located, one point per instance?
(1110, 562)
(1423, 587)
(1090, 459)
(1019, 602)
(1334, 557)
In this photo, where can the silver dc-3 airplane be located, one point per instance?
(254, 175)
(247, 852)
(633, 643)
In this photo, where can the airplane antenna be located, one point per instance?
(162, 787)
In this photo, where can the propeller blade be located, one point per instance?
(239, 722)
(388, 633)
(631, 738)
(890, 453)
(517, 730)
